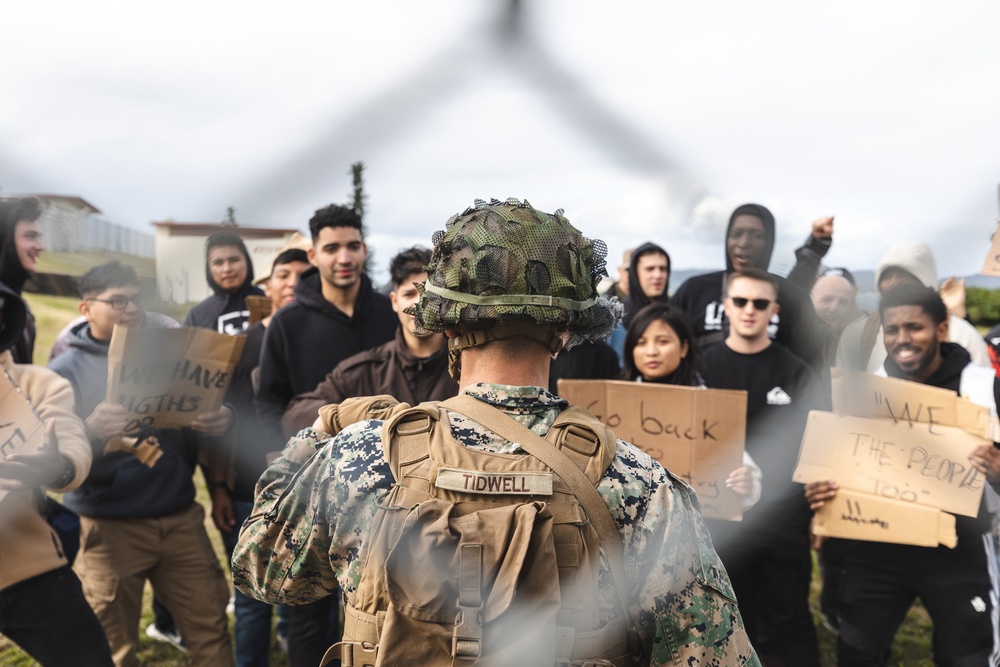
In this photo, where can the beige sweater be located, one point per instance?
(28, 546)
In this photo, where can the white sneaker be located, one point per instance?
(174, 638)
(231, 605)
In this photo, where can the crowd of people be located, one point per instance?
(504, 306)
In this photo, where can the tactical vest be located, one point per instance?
(479, 558)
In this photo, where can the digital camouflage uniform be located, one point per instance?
(502, 270)
(311, 517)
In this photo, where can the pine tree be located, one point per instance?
(358, 198)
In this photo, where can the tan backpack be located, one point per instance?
(476, 558)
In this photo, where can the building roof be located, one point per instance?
(207, 228)
(73, 199)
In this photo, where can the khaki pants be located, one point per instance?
(174, 553)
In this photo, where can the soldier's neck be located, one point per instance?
(530, 368)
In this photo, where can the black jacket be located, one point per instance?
(309, 337)
(796, 327)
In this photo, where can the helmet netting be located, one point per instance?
(511, 249)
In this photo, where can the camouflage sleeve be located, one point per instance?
(274, 558)
(682, 603)
(687, 611)
(312, 509)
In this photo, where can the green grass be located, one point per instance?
(77, 263)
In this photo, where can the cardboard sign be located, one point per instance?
(697, 434)
(259, 307)
(862, 516)
(991, 265)
(167, 377)
(865, 395)
(21, 429)
(919, 463)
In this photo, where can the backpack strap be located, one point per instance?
(597, 512)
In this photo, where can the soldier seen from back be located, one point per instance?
(528, 533)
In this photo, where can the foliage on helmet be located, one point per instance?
(506, 262)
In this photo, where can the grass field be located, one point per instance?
(912, 647)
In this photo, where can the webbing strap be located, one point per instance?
(561, 465)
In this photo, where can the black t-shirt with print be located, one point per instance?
(781, 390)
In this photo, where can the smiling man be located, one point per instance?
(957, 586)
(412, 368)
(20, 246)
(336, 314)
(767, 555)
(139, 522)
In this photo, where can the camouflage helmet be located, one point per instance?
(501, 263)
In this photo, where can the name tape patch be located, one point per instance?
(502, 483)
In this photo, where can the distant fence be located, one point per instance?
(62, 234)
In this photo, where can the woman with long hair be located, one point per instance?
(660, 347)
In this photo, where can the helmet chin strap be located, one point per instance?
(547, 336)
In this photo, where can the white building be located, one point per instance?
(180, 255)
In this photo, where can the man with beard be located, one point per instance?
(861, 346)
(957, 586)
(749, 244)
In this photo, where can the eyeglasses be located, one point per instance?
(758, 304)
(120, 301)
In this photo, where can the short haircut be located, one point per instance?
(754, 274)
(408, 262)
(106, 276)
(289, 256)
(913, 294)
(333, 215)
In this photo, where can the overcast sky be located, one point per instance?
(627, 115)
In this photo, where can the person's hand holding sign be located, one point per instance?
(986, 459)
(740, 481)
(108, 420)
(46, 467)
(817, 493)
(214, 423)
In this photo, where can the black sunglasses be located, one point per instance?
(758, 304)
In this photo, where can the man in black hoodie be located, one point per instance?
(229, 272)
(749, 244)
(957, 586)
(336, 314)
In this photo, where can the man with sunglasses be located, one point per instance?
(767, 554)
(139, 521)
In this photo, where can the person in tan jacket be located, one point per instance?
(42, 606)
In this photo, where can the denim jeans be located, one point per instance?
(48, 617)
(253, 617)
